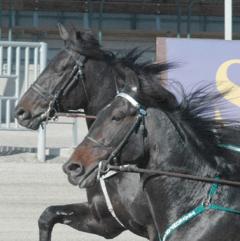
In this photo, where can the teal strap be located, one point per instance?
(213, 189)
(221, 208)
(197, 211)
(230, 147)
(184, 219)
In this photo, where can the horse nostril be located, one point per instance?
(22, 114)
(75, 169)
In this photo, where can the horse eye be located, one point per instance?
(116, 118)
(118, 115)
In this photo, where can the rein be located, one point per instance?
(134, 169)
(76, 114)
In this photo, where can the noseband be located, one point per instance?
(53, 98)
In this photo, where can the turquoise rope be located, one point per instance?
(183, 220)
(230, 147)
(197, 211)
(221, 208)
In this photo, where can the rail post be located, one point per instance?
(75, 131)
(41, 155)
(228, 19)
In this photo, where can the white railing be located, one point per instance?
(20, 65)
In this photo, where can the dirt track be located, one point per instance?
(26, 189)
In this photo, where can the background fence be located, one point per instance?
(20, 65)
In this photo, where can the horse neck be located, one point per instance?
(170, 148)
(168, 152)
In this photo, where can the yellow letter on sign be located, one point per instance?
(224, 84)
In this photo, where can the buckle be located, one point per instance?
(102, 169)
(142, 112)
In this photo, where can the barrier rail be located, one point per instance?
(20, 65)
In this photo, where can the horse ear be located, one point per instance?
(63, 32)
(131, 79)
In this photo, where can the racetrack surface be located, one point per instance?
(27, 188)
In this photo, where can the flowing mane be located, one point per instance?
(90, 47)
(195, 117)
(122, 65)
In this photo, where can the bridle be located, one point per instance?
(53, 98)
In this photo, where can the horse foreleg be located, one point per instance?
(78, 216)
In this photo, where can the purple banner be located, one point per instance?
(203, 62)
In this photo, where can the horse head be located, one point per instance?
(81, 76)
(61, 83)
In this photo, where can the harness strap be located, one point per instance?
(107, 198)
(230, 147)
(197, 211)
(181, 221)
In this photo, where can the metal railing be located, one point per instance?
(20, 65)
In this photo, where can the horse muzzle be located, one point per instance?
(81, 176)
(26, 119)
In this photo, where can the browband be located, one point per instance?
(130, 99)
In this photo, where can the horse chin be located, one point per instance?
(83, 181)
(89, 181)
(32, 124)
(35, 124)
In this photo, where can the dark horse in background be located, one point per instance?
(103, 74)
(135, 129)
(98, 76)
(82, 76)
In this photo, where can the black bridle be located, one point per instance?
(53, 98)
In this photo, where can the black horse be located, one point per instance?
(81, 76)
(94, 81)
(136, 128)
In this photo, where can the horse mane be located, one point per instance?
(117, 64)
(131, 60)
(89, 46)
(198, 110)
(211, 135)
(196, 114)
